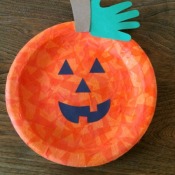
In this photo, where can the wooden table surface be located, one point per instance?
(20, 20)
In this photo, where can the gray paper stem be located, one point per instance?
(81, 12)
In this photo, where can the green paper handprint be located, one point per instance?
(106, 22)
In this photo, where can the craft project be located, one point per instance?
(82, 100)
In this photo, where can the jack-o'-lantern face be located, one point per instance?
(80, 100)
(88, 82)
(93, 112)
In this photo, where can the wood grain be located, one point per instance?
(20, 20)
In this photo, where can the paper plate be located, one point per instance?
(78, 100)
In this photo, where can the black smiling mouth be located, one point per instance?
(72, 113)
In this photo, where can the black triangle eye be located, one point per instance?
(66, 70)
(97, 68)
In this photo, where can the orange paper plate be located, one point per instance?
(78, 100)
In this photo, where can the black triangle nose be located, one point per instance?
(83, 87)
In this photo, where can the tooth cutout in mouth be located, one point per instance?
(72, 113)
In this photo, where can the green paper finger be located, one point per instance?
(123, 36)
(114, 9)
(128, 25)
(127, 15)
